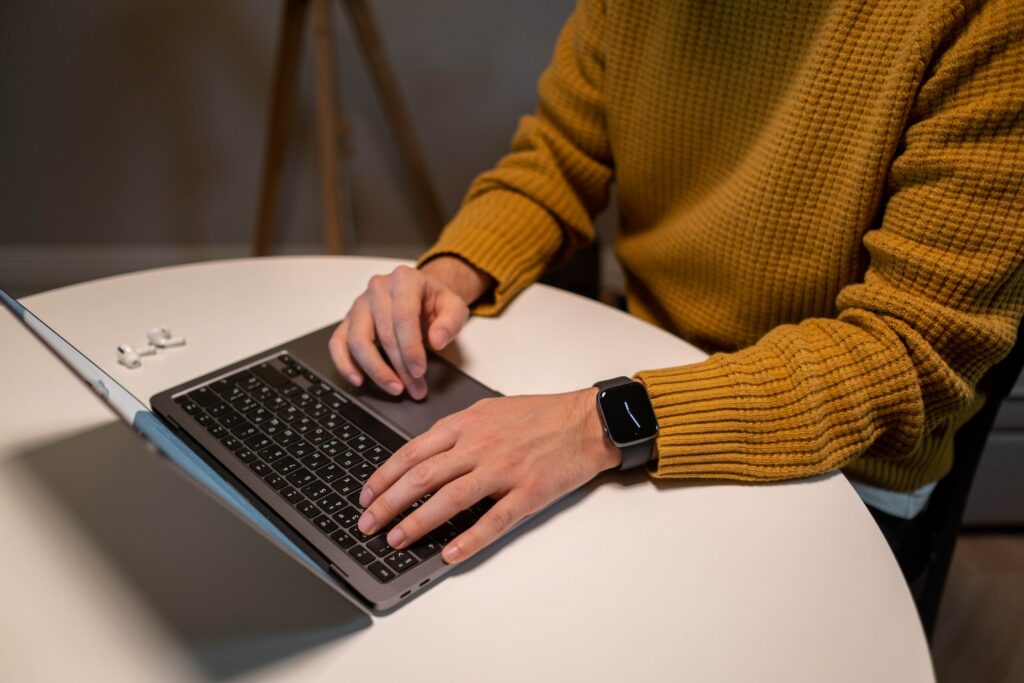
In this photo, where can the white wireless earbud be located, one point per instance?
(147, 350)
(161, 338)
(127, 356)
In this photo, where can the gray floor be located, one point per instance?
(979, 637)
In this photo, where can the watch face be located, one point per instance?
(628, 413)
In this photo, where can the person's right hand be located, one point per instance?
(396, 310)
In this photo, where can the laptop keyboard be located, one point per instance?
(289, 426)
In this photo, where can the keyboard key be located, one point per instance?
(347, 432)
(300, 449)
(287, 359)
(333, 447)
(326, 524)
(258, 442)
(354, 497)
(269, 375)
(317, 410)
(303, 424)
(343, 539)
(316, 490)
(360, 554)
(331, 503)
(379, 546)
(245, 455)
(290, 390)
(289, 372)
(244, 403)
(444, 534)
(203, 419)
(272, 453)
(424, 548)
(259, 467)
(216, 431)
(331, 472)
(316, 460)
(188, 405)
(303, 399)
(361, 443)
(349, 459)
(292, 495)
(204, 396)
(301, 477)
(362, 471)
(262, 393)
(381, 572)
(290, 413)
(258, 415)
(286, 465)
(273, 427)
(276, 403)
(244, 431)
(232, 419)
(464, 520)
(319, 389)
(218, 409)
(401, 561)
(308, 509)
(331, 421)
(223, 386)
(347, 516)
(286, 437)
(317, 435)
(231, 443)
(335, 401)
(377, 454)
(275, 480)
(347, 485)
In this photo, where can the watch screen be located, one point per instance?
(628, 413)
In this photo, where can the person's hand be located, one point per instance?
(395, 310)
(523, 451)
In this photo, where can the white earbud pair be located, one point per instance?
(159, 337)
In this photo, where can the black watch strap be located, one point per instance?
(635, 455)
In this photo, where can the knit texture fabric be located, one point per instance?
(826, 196)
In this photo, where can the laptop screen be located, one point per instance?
(141, 419)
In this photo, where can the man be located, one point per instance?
(825, 195)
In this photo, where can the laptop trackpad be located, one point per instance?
(450, 389)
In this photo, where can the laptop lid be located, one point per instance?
(133, 412)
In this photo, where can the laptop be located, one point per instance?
(283, 441)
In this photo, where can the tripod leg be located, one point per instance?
(401, 127)
(326, 125)
(282, 103)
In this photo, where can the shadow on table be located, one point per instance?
(233, 599)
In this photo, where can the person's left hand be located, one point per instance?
(523, 451)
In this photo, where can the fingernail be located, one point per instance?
(451, 553)
(440, 339)
(418, 389)
(365, 497)
(354, 379)
(394, 388)
(396, 538)
(366, 522)
(416, 370)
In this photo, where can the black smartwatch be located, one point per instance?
(628, 417)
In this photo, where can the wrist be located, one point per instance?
(593, 440)
(467, 281)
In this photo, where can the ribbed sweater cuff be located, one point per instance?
(507, 236)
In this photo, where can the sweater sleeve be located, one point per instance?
(938, 306)
(536, 206)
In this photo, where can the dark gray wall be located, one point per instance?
(142, 123)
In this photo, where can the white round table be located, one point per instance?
(115, 569)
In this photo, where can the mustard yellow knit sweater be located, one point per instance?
(825, 195)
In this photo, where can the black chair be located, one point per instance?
(946, 507)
